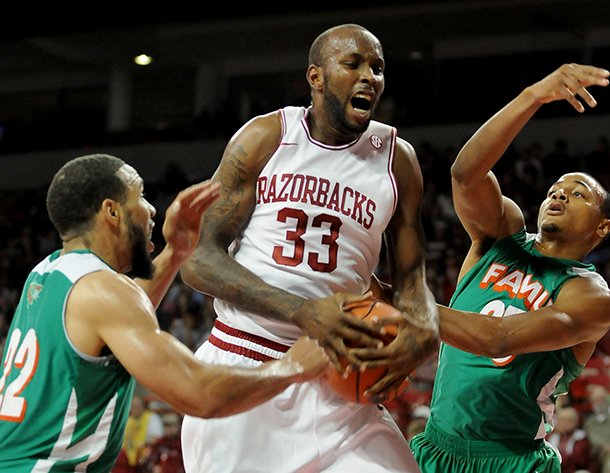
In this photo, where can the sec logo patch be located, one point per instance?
(376, 141)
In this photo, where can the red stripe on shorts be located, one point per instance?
(240, 350)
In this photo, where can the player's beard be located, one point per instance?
(141, 262)
(336, 113)
(550, 228)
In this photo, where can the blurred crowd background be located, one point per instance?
(69, 88)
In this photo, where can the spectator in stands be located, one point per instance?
(166, 452)
(597, 424)
(144, 427)
(572, 442)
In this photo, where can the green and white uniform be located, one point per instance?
(60, 410)
(500, 408)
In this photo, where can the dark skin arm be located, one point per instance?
(578, 318)
(212, 271)
(478, 200)
(417, 336)
(110, 310)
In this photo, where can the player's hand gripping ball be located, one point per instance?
(352, 387)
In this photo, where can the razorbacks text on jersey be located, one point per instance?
(312, 234)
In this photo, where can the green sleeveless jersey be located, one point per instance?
(479, 398)
(60, 410)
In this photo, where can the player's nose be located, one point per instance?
(559, 194)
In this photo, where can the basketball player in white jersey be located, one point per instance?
(307, 195)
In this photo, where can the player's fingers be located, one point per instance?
(585, 75)
(591, 75)
(587, 97)
(185, 200)
(192, 196)
(349, 301)
(388, 319)
(333, 357)
(206, 195)
(384, 387)
(572, 100)
(373, 357)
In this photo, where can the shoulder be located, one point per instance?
(105, 309)
(406, 151)
(267, 127)
(590, 280)
(588, 290)
(586, 301)
(406, 165)
(107, 292)
(256, 140)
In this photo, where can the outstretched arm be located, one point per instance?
(477, 197)
(126, 323)
(578, 319)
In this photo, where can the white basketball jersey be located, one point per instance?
(319, 218)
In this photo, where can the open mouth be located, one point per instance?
(362, 102)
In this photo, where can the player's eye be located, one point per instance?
(378, 70)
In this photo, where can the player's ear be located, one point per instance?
(604, 228)
(110, 211)
(315, 77)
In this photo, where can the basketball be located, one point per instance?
(353, 387)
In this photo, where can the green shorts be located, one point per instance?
(439, 452)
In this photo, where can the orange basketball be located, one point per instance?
(353, 387)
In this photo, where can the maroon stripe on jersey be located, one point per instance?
(224, 346)
(252, 338)
(390, 166)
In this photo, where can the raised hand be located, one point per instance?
(182, 224)
(569, 82)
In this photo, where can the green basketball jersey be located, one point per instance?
(480, 398)
(60, 410)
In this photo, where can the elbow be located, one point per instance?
(465, 174)
(202, 407)
(475, 333)
(209, 410)
(187, 273)
(193, 274)
(494, 345)
(494, 351)
(459, 174)
(214, 407)
(456, 171)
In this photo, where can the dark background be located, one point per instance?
(448, 62)
(68, 86)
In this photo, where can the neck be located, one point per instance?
(81, 242)
(324, 133)
(559, 249)
(102, 248)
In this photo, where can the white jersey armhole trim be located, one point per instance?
(87, 264)
(392, 152)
